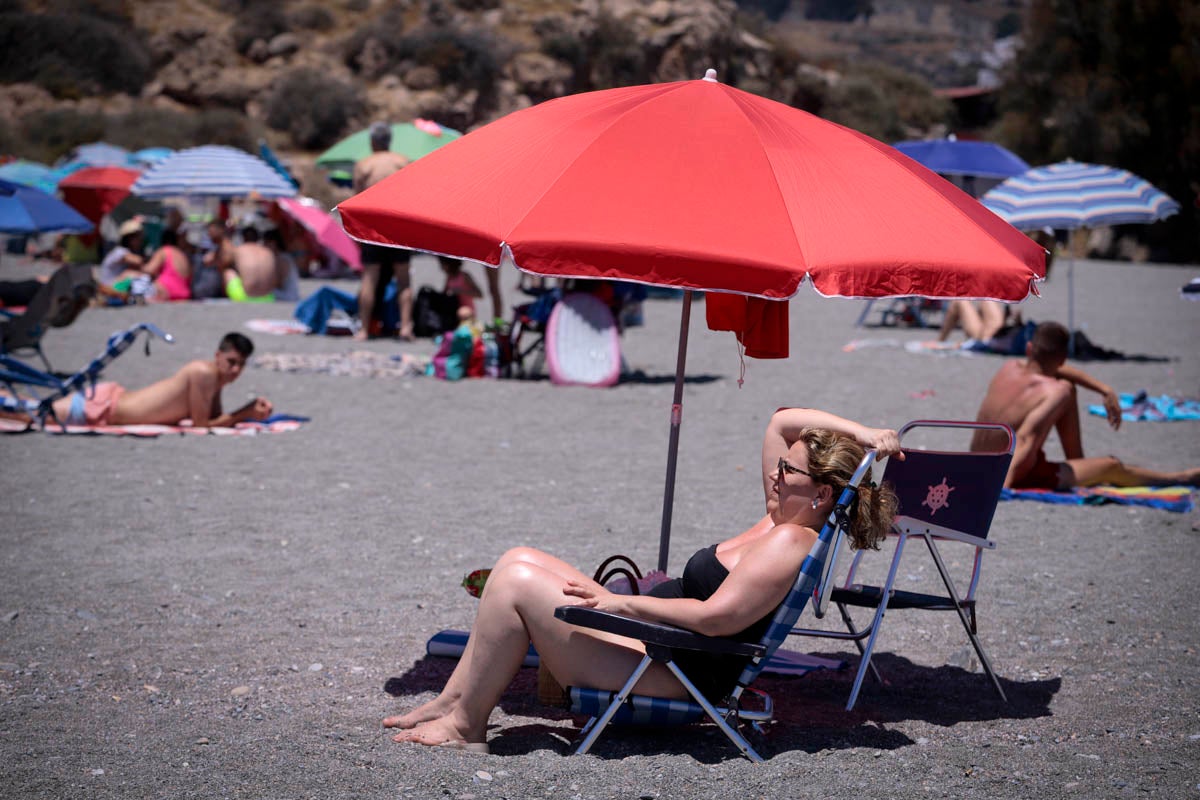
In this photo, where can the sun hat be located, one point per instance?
(129, 226)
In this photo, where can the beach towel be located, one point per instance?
(1168, 498)
(451, 643)
(1142, 407)
(355, 364)
(276, 423)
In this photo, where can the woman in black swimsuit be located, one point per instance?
(728, 589)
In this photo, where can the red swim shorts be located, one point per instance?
(1042, 475)
(94, 406)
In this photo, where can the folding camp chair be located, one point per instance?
(944, 496)
(24, 382)
(55, 304)
(625, 707)
(915, 312)
(527, 334)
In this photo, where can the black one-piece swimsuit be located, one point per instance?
(714, 675)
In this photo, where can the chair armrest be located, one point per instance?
(655, 633)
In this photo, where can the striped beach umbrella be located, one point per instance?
(212, 171)
(1071, 194)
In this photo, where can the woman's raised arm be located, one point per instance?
(786, 424)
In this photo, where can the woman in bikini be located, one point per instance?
(728, 589)
(170, 269)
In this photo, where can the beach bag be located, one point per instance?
(434, 312)
(207, 283)
(452, 360)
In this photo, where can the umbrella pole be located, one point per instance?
(664, 539)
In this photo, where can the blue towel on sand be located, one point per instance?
(1142, 407)
(1168, 498)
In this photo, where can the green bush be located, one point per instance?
(313, 108)
(71, 56)
(885, 103)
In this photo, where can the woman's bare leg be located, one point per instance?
(950, 319)
(455, 686)
(970, 320)
(517, 607)
(991, 319)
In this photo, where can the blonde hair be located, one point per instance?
(832, 460)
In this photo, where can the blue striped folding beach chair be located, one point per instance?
(944, 496)
(623, 706)
(33, 392)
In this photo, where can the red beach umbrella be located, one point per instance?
(95, 191)
(697, 185)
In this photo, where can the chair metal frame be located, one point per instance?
(899, 309)
(15, 373)
(659, 639)
(56, 304)
(905, 527)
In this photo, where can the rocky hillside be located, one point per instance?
(303, 74)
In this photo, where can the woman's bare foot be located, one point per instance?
(437, 708)
(436, 733)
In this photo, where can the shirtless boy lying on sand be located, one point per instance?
(1037, 394)
(194, 392)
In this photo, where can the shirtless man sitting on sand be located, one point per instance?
(1039, 393)
(194, 392)
(253, 275)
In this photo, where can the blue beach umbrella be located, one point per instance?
(25, 210)
(973, 166)
(31, 173)
(951, 156)
(1070, 195)
(212, 171)
(99, 154)
(150, 156)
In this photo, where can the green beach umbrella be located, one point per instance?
(410, 139)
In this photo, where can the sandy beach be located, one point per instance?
(231, 617)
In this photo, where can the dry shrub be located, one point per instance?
(147, 126)
(258, 19)
(313, 108)
(71, 56)
(311, 17)
(466, 59)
